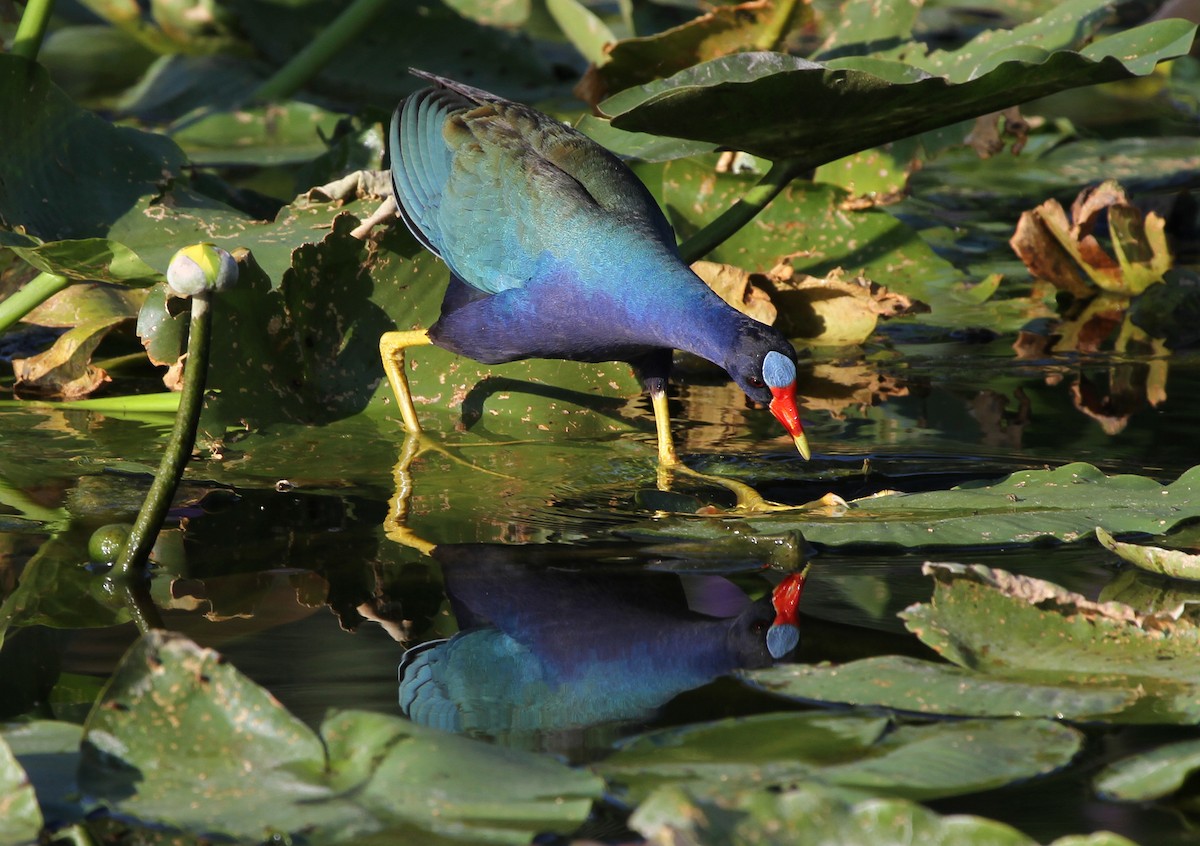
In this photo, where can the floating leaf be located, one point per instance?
(497, 796)
(744, 102)
(20, 817)
(97, 172)
(1052, 635)
(49, 752)
(1030, 506)
(1150, 775)
(849, 751)
(813, 814)
(1168, 562)
(910, 684)
(263, 135)
(88, 259)
(181, 738)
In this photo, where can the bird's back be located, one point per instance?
(500, 191)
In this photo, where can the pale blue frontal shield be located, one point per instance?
(778, 370)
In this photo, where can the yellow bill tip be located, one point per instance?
(802, 446)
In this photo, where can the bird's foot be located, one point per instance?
(748, 500)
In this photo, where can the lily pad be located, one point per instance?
(181, 738)
(1168, 562)
(264, 135)
(134, 163)
(20, 817)
(910, 684)
(499, 795)
(1149, 775)
(1030, 506)
(854, 752)
(1055, 636)
(49, 752)
(855, 103)
(816, 814)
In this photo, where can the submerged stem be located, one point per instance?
(127, 570)
(742, 212)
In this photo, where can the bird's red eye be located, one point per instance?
(756, 383)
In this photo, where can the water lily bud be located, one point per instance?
(201, 267)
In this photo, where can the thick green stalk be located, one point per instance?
(308, 62)
(32, 28)
(742, 212)
(780, 25)
(31, 295)
(127, 572)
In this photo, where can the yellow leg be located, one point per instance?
(662, 423)
(391, 351)
(749, 501)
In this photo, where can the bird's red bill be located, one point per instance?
(783, 406)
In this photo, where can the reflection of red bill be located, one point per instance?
(784, 634)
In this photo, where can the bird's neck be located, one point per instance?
(697, 320)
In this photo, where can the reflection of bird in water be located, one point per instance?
(542, 649)
(556, 250)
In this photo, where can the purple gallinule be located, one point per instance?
(556, 250)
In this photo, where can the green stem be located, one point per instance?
(30, 295)
(158, 403)
(742, 212)
(32, 28)
(308, 62)
(128, 569)
(780, 25)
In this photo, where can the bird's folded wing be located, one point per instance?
(501, 191)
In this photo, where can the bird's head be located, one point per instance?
(764, 366)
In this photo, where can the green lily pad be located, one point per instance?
(66, 195)
(20, 816)
(87, 259)
(280, 133)
(1150, 775)
(1053, 636)
(498, 796)
(809, 224)
(1168, 562)
(49, 752)
(855, 103)
(860, 753)
(180, 738)
(1030, 506)
(910, 684)
(813, 814)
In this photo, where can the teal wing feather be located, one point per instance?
(501, 192)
